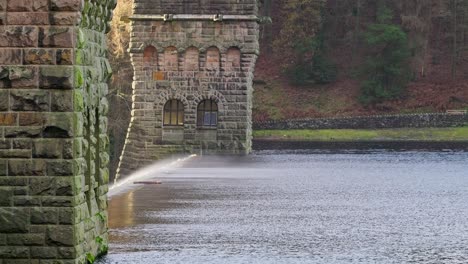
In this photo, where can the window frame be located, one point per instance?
(204, 111)
(178, 111)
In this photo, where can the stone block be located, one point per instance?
(19, 167)
(3, 167)
(15, 153)
(65, 186)
(14, 253)
(11, 56)
(66, 5)
(60, 168)
(56, 77)
(26, 201)
(61, 101)
(3, 5)
(21, 143)
(42, 186)
(4, 100)
(14, 220)
(60, 235)
(56, 37)
(23, 132)
(44, 216)
(27, 18)
(47, 149)
(18, 36)
(3, 239)
(28, 5)
(6, 195)
(29, 100)
(26, 239)
(65, 56)
(8, 119)
(59, 125)
(67, 252)
(19, 77)
(39, 56)
(32, 119)
(44, 252)
(65, 18)
(5, 143)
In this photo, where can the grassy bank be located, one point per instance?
(403, 134)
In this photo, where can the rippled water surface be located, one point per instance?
(279, 207)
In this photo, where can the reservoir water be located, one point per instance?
(298, 207)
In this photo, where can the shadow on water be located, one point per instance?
(298, 206)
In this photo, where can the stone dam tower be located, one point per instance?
(193, 72)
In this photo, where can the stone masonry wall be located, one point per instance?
(191, 57)
(53, 143)
(370, 122)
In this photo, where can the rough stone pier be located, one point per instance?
(193, 71)
(53, 143)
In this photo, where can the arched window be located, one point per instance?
(150, 56)
(171, 59)
(233, 61)
(191, 59)
(212, 59)
(207, 114)
(174, 113)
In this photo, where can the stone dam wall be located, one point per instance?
(53, 142)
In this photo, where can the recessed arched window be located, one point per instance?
(150, 56)
(233, 60)
(191, 59)
(174, 113)
(171, 59)
(212, 59)
(207, 114)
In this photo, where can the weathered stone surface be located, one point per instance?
(56, 77)
(18, 36)
(65, 18)
(13, 253)
(47, 149)
(61, 101)
(29, 100)
(14, 220)
(23, 132)
(6, 195)
(28, 18)
(4, 100)
(39, 56)
(60, 168)
(43, 216)
(42, 186)
(15, 153)
(26, 167)
(65, 56)
(60, 37)
(44, 252)
(60, 235)
(26, 239)
(11, 56)
(28, 5)
(3, 167)
(8, 119)
(66, 5)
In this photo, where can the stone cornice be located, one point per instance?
(184, 17)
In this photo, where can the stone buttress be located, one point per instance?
(193, 71)
(53, 143)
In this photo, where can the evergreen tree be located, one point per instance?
(387, 69)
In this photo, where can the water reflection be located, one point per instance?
(284, 207)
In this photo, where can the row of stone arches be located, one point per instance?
(174, 114)
(191, 59)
